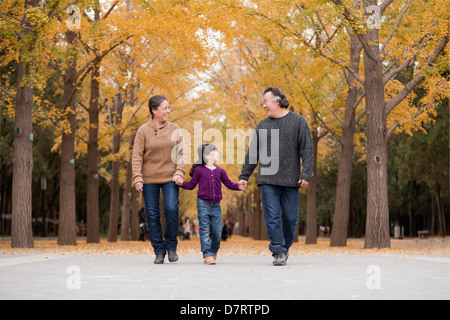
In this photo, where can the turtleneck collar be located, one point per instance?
(153, 125)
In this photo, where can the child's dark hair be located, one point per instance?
(155, 102)
(204, 150)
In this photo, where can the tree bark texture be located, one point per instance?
(67, 202)
(92, 175)
(339, 231)
(377, 220)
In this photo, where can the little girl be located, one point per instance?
(209, 178)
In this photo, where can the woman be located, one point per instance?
(155, 169)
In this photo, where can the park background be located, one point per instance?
(372, 83)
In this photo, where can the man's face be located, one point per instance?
(271, 107)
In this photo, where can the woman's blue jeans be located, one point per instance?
(210, 223)
(171, 207)
(280, 206)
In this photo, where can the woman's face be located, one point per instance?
(163, 112)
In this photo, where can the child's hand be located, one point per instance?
(178, 180)
(242, 185)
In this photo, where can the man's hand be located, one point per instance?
(242, 185)
(303, 183)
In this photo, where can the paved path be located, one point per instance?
(43, 276)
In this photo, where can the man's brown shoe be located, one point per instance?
(210, 260)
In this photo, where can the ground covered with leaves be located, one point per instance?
(236, 245)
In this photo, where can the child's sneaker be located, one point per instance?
(210, 260)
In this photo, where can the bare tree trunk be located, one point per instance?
(125, 231)
(21, 226)
(339, 231)
(441, 216)
(135, 205)
(92, 175)
(258, 213)
(410, 210)
(115, 186)
(21, 232)
(311, 208)
(67, 203)
(377, 220)
(241, 215)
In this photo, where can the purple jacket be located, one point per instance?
(210, 186)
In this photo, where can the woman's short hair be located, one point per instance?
(155, 102)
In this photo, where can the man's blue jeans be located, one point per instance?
(280, 203)
(210, 223)
(171, 207)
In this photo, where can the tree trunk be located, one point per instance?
(377, 220)
(311, 209)
(21, 226)
(125, 231)
(412, 232)
(67, 203)
(21, 232)
(339, 231)
(115, 185)
(92, 175)
(241, 215)
(441, 216)
(135, 205)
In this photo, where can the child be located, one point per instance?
(209, 178)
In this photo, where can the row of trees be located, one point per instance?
(356, 82)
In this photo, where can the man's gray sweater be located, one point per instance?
(278, 145)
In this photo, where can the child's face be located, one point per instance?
(212, 157)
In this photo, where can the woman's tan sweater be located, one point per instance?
(158, 153)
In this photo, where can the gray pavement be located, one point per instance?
(44, 276)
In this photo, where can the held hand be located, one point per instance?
(139, 186)
(242, 185)
(303, 183)
(178, 180)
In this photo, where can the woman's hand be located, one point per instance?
(139, 186)
(178, 180)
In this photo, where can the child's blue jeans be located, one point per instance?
(210, 222)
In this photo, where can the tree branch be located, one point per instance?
(395, 27)
(7, 92)
(110, 9)
(391, 104)
(361, 38)
(398, 124)
(333, 112)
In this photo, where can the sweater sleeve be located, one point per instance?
(181, 155)
(251, 158)
(227, 182)
(137, 159)
(306, 150)
(190, 185)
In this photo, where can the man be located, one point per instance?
(279, 142)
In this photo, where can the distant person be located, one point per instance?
(142, 224)
(209, 177)
(187, 229)
(281, 140)
(154, 170)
